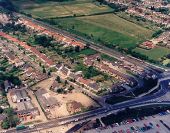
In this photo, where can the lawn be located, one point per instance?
(107, 28)
(88, 72)
(61, 9)
(154, 54)
(85, 52)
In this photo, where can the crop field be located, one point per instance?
(62, 9)
(154, 54)
(108, 28)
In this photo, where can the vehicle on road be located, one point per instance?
(20, 127)
(31, 126)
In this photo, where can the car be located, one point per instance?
(128, 131)
(120, 131)
(160, 114)
(151, 124)
(139, 129)
(145, 124)
(31, 126)
(134, 120)
(141, 118)
(117, 124)
(168, 111)
(157, 125)
(153, 116)
(132, 128)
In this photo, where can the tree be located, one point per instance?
(66, 82)
(49, 73)
(58, 79)
(77, 49)
(5, 124)
(44, 71)
(11, 120)
(1, 110)
(43, 40)
(71, 88)
(60, 90)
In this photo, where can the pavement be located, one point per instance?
(156, 124)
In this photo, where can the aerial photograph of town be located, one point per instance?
(84, 66)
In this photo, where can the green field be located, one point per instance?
(108, 28)
(62, 9)
(85, 52)
(155, 54)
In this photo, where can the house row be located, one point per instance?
(147, 45)
(14, 60)
(107, 67)
(68, 41)
(30, 73)
(154, 3)
(164, 38)
(88, 83)
(33, 50)
(77, 76)
(150, 15)
(120, 2)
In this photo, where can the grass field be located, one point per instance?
(154, 54)
(109, 28)
(62, 9)
(85, 52)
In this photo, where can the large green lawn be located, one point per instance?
(109, 28)
(154, 54)
(60, 9)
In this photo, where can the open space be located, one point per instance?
(60, 9)
(66, 100)
(113, 30)
(154, 54)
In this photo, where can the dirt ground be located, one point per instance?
(63, 99)
(46, 84)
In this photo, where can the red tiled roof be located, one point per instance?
(43, 57)
(56, 35)
(84, 81)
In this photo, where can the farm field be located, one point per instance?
(107, 28)
(62, 9)
(154, 54)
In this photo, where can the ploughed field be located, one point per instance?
(51, 9)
